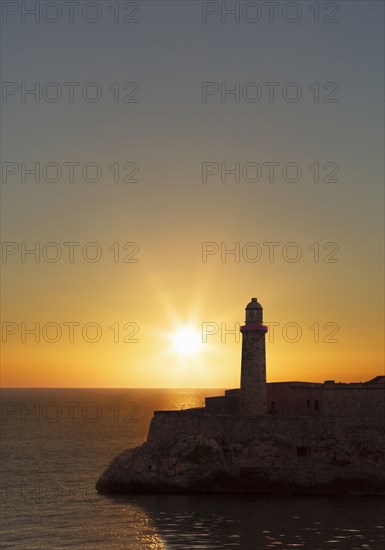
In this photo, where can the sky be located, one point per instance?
(189, 157)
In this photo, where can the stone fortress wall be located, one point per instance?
(356, 400)
(340, 407)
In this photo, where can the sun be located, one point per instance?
(187, 341)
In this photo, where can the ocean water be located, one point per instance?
(56, 443)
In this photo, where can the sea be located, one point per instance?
(56, 443)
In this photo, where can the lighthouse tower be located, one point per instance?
(253, 366)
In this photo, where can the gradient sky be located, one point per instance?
(170, 212)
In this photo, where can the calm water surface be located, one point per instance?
(55, 444)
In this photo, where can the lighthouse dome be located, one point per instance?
(254, 312)
(254, 304)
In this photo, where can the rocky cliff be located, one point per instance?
(189, 451)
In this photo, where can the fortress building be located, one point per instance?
(256, 397)
(282, 437)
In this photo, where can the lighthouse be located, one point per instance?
(253, 366)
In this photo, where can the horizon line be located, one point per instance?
(168, 388)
